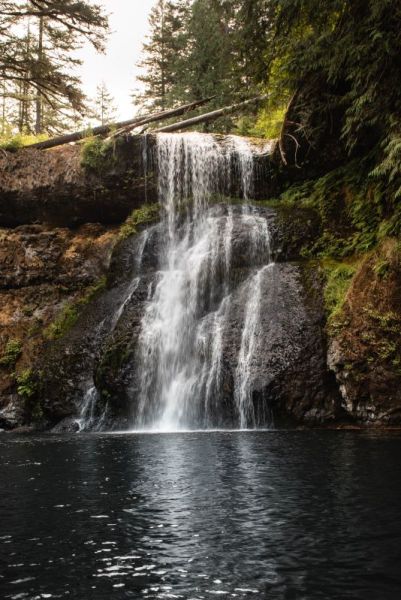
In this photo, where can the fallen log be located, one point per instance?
(211, 116)
(123, 125)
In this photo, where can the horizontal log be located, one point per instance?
(211, 116)
(106, 129)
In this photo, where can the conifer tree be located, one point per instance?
(42, 71)
(104, 110)
(163, 54)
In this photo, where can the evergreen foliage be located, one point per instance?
(39, 86)
(104, 107)
(339, 62)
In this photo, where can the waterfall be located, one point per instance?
(180, 355)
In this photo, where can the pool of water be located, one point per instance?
(275, 515)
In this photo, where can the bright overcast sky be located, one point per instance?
(129, 26)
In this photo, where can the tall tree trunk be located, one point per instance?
(39, 99)
(3, 111)
(163, 63)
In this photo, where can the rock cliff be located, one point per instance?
(70, 308)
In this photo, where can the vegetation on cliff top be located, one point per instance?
(97, 155)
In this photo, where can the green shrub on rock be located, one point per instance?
(338, 280)
(11, 354)
(97, 155)
(147, 213)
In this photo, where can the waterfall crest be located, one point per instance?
(181, 347)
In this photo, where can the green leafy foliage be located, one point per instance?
(11, 354)
(29, 387)
(27, 384)
(204, 48)
(39, 85)
(351, 210)
(389, 169)
(97, 155)
(338, 280)
(12, 143)
(148, 213)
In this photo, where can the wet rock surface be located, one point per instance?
(301, 373)
(365, 345)
(54, 187)
(43, 271)
(291, 382)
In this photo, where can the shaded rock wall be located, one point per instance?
(53, 187)
(365, 341)
(49, 258)
(292, 384)
(43, 271)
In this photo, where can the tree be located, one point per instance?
(201, 48)
(39, 66)
(104, 110)
(163, 54)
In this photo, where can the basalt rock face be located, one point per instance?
(54, 187)
(290, 379)
(365, 346)
(74, 296)
(43, 271)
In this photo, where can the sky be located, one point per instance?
(117, 68)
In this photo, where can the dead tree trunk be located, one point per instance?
(212, 116)
(106, 129)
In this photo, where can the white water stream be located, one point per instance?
(182, 337)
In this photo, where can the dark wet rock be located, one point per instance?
(43, 272)
(67, 425)
(365, 342)
(291, 381)
(53, 187)
(12, 415)
(68, 366)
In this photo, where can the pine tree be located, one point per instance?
(104, 110)
(163, 54)
(42, 71)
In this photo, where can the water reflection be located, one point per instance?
(238, 515)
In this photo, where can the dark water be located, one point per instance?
(277, 515)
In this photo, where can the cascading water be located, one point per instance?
(180, 356)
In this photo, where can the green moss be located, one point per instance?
(97, 155)
(12, 143)
(94, 290)
(63, 323)
(338, 280)
(67, 318)
(29, 383)
(385, 336)
(11, 354)
(147, 213)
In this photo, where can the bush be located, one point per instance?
(11, 354)
(148, 213)
(97, 154)
(27, 384)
